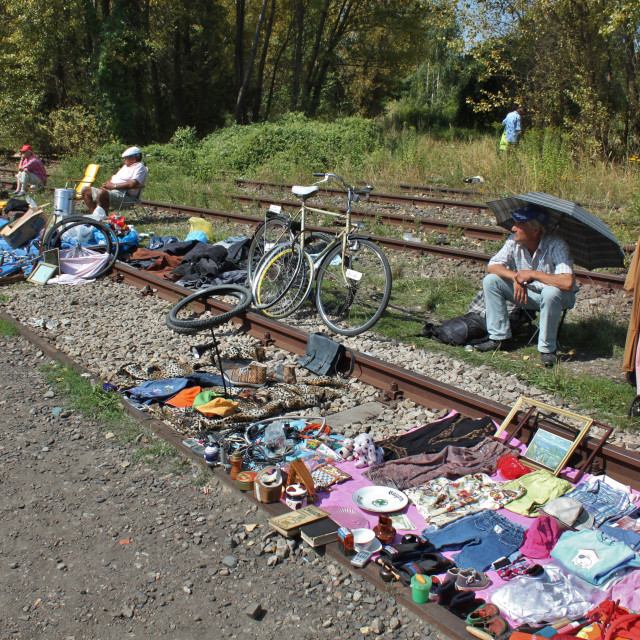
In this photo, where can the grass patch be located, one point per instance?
(4, 297)
(88, 399)
(7, 329)
(154, 453)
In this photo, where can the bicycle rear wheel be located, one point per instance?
(87, 233)
(278, 271)
(353, 292)
(298, 291)
(274, 231)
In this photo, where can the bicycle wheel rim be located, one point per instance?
(297, 293)
(276, 274)
(269, 234)
(351, 307)
(56, 236)
(242, 294)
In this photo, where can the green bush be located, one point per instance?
(291, 145)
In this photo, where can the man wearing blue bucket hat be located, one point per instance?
(534, 271)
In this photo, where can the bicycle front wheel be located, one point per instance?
(282, 269)
(274, 231)
(352, 291)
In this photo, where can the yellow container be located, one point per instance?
(200, 224)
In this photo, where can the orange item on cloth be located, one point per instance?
(185, 398)
(219, 408)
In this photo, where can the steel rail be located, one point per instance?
(394, 382)
(395, 219)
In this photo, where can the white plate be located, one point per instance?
(380, 499)
(373, 547)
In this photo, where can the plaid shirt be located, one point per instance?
(552, 256)
(34, 165)
(602, 501)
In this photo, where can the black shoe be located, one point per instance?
(489, 345)
(548, 359)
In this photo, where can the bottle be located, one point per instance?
(211, 454)
(345, 540)
(236, 464)
(384, 530)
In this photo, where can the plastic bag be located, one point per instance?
(274, 437)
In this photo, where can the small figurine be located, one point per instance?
(366, 452)
(346, 451)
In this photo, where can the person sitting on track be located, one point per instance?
(129, 180)
(534, 271)
(31, 171)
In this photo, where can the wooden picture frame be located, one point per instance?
(548, 449)
(51, 256)
(42, 272)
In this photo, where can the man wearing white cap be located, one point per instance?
(128, 181)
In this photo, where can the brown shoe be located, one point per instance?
(253, 374)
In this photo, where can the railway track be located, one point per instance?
(594, 278)
(393, 382)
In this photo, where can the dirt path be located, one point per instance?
(94, 545)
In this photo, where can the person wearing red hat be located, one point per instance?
(128, 180)
(31, 171)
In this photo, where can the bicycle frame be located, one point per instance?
(340, 238)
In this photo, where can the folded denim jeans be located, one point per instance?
(482, 537)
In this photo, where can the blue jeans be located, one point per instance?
(484, 537)
(550, 302)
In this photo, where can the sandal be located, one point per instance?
(480, 616)
(496, 626)
(472, 581)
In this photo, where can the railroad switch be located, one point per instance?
(390, 396)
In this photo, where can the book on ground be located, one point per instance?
(288, 524)
(319, 532)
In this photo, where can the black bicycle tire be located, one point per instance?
(386, 295)
(113, 243)
(181, 330)
(267, 261)
(242, 293)
(252, 263)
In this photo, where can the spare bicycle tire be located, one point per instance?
(52, 237)
(244, 300)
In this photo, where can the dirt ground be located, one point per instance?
(94, 545)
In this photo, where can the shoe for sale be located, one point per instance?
(548, 359)
(472, 581)
(253, 375)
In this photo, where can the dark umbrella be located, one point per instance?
(591, 242)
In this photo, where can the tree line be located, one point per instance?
(77, 72)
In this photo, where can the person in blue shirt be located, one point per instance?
(513, 127)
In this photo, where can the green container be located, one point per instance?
(420, 590)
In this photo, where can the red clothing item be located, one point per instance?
(34, 165)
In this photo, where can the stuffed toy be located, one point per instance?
(366, 452)
(346, 450)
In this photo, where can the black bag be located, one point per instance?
(467, 329)
(323, 356)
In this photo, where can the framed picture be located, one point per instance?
(51, 256)
(42, 272)
(548, 449)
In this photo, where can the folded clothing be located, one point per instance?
(593, 556)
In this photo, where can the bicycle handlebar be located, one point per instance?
(363, 191)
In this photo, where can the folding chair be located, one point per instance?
(531, 316)
(90, 175)
(132, 202)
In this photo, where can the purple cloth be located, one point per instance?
(540, 538)
(452, 462)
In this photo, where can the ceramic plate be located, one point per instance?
(346, 517)
(380, 499)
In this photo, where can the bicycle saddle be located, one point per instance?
(304, 191)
